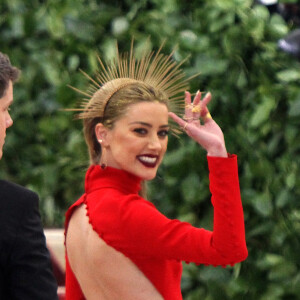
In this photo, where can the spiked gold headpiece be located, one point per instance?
(155, 69)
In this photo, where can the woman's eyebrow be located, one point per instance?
(148, 125)
(141, 123)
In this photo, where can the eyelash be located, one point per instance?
(140, 131)
(143, 131)
(163, 133)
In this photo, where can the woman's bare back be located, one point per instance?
(103, 272)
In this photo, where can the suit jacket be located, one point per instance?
(25, 265)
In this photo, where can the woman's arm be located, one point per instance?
(147, 232)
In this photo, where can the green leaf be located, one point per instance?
(213, 274)
(278, 26)
(119, 26)
(262, 112)
(287, 76)
(209, 65)
(263, 205)
(282, 271)
(283, 198)
(291, 180)
(188, 38)
(190, 188)
(294, 109)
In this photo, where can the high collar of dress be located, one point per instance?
(97, 178)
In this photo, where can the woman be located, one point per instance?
(118, 245)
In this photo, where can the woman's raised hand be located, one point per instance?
(209, 135)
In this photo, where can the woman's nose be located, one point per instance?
(155, 143)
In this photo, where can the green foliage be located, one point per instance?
(256, 101)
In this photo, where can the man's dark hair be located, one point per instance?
(7, 73)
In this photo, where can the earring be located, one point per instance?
(100, 141)
(102, 164)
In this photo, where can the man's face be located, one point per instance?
(5, 119)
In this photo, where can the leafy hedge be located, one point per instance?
(256, 101)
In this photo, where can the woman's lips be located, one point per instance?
(149, 161)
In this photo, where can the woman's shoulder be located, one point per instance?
(114, 201)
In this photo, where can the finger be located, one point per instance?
(197, 98)
(177, 119)
(188, 106)
(197, 106)
(188, 98)
(207, 98)
(204, 102)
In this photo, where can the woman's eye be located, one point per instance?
(141, 131)
(163, 133)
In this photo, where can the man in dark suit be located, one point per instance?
(25, 266)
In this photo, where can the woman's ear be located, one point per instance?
(101, 134)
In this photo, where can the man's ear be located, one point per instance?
(101, 134)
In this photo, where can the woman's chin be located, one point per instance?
(148, 174)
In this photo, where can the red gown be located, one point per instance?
(156, 244)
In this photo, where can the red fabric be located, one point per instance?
(156, 244)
